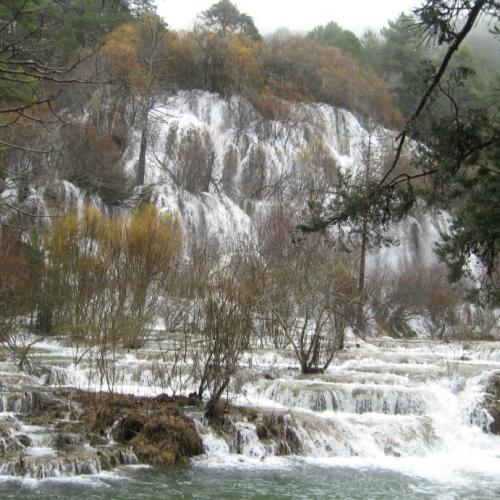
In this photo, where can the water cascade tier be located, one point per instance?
(404, 405)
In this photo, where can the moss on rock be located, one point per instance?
(167, 438)
(492, 402)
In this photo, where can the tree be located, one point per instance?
(109, 278)
(84, 23)
(307, 290)
(138, 53)
(16, 294)
(38, 41)
(460, 155)
(151, 50)
(371, 54)
(400, 62)
(334, 35)
(474, 235)
(229, 64)
(219, 317)
(91, 160)
(464, 153)
(301, 69)
(367, 158)
(224, 17)
(46, 48)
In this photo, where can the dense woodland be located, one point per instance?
(77, 75)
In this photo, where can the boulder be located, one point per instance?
(167, 438)
(492, 402)
(280, 429)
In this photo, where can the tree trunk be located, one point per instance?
(141, 167)
(364, 238)
(362, 272)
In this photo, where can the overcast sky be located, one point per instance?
(297, 15)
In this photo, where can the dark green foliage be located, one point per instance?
(401, 62)
(224, 17)
(441, 20)
(42, 42)
(475, 234)
(42, 296)
(83, 23)
(56, 28)
(90, 160)
(351, 205)
(334, 35)
(469, 154)
(451, 103)
(462, 128)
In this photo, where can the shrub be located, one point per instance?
(91, 160)
(195, 162)
(308, 291)
(111, 277)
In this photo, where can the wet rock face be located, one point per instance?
(78, 461)
(279, 429)
(10, 441)
(29, 402)
(8, 425)
(127, 429)
(492, 402)
(42, 402)
(9, 445)
(65, 440)
(253, 433)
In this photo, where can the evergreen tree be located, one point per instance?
(456, 118)
(402, 62)
(42, 44)
(334, 35)
(224, 17)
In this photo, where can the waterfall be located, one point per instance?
(404, 404)
(412, 405)
(254, 163)
(411, 401)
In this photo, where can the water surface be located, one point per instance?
(296, 480)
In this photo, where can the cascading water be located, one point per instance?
(415, 401)
(408, 407)
(254, 163)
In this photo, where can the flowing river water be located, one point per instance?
(390, 419)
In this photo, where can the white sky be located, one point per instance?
(297, 15)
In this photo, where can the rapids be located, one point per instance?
(407, 414)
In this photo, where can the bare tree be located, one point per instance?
(151, 52)
(219, 323)
(16, 300)
(309, 292)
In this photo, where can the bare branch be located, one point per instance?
(469, 24)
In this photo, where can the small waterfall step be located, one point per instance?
(319, 396)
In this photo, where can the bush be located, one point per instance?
(195, 162)
(111, 277)
(292, 69)
(18, 282)
(308, 292)
(417, 292)
(91, 160)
